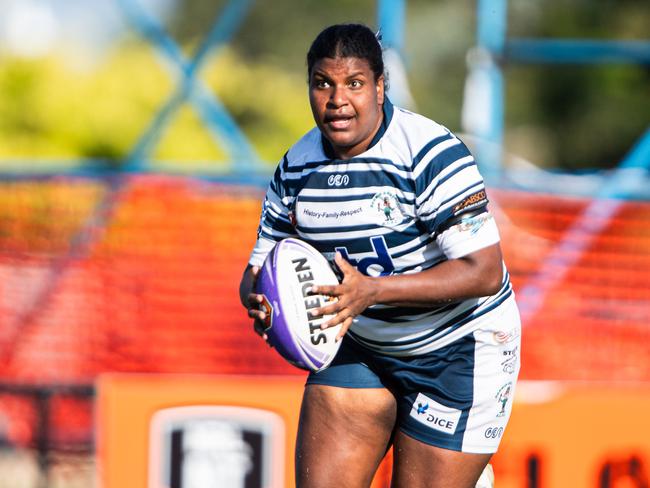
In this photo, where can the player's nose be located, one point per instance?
(338, 97)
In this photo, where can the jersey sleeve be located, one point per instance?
(451, 201)
(275, 221)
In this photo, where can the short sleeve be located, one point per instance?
(470, 234)
(449, 186)
(275, 220)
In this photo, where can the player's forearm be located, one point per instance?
(477, 275)
(246, 286)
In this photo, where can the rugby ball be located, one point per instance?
(285, 280)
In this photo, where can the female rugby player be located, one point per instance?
(430, 329)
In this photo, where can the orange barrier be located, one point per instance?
(576, 435)
(560, 434)
(147, 430)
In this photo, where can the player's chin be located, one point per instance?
(341, 139)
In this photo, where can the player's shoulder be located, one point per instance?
(413, 133)
(307, 149)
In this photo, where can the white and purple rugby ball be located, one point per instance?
(285, 279)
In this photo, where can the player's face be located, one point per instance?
(346, 102)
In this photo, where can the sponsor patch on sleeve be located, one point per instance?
(475, 200)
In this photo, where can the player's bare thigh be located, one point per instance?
(343, 435)
(419, 465)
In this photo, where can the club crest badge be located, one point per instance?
(387, 208)
(502, 397)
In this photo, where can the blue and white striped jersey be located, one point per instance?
(388, 212)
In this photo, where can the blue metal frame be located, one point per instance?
(493, 41)
(491, 38)
(577, 51)
(391, 19)
(224, 129)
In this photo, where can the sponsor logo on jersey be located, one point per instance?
(473, 224)
(338, 180)
(434, 415)
(473, 201)
(503, 337)
(387, 208)
(380, 264)
(502, 397)
(509, 363)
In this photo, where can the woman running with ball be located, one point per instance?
(431, 332)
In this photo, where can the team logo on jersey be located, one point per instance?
(387, 207)
(502, 397)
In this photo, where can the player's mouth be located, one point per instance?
(339, 122)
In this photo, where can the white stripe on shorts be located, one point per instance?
(496, 367)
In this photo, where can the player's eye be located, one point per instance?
(356, 84)
(321, 84)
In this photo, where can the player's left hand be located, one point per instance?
(355, 293)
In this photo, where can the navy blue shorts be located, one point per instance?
(458, 397)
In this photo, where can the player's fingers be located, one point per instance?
(256, 314)
(343, 263)
(332, 307)
(327, 290)
(340, 317)
(319, 312)
(255, 299)
(347, 323)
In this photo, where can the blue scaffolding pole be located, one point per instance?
(224, 129)
(486, 83)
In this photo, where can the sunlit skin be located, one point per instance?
(346, 102)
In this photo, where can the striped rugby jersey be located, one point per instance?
(387, 211)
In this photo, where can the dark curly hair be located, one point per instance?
(347, 41)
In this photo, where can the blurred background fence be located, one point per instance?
(136, 139)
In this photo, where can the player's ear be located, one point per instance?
(380, 90)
